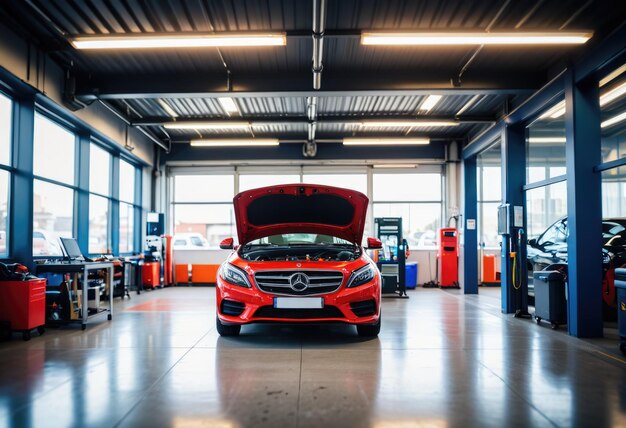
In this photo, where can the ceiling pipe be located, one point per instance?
(319, 26)
(123, 118)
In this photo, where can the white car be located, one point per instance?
(189, 241)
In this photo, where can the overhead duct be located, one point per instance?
(319, 25)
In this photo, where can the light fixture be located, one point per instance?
(555, 112)
(161, 41)
(207, 125)
(430, 102)
(613, 94)
(396, 165)
(250, 142)
(228, 104)
(168, 109)
(468, 38)
(614, 120)
(546, 140)
(364, 141)
(407, 123)
(612, 75)
(468, 104)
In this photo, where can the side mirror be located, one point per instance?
(374, 244)
(227, 244)
(532, 242)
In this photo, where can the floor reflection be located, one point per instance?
(441, 360)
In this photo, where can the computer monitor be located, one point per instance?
(72, 249)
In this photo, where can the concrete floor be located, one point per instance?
(441, 360)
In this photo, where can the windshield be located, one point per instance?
(612, 229)
(299, 239)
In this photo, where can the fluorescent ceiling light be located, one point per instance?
(407, 123)
(207, 125)
(363, 141)
(468, 104)
(613, 94)
(614, 120)
(160, 41)
(511, 38)
(396, 165)
(555, 112)
(228, 104)
(168, 109)
(252, 142)
(612, 75)
(547, 140)
(430, 102)
(559, 109)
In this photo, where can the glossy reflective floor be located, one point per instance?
(441, 360)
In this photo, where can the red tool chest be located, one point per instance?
(23, 305)
(448, 254)
(151, 272)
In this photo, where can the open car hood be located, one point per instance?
(300, 208)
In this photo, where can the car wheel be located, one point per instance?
(368, 330)
(227, 330)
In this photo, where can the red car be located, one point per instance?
(299, 260)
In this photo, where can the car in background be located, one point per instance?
(300, 260)
(44, 244)
(550, 248)
(189, 241)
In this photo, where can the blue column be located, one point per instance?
(82, 205)
(138, 219)
(115, 205)
(470, 235)
(513, 179)
(584, 207)
(21, 203)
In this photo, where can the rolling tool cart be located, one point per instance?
(392, 263)
(550, 301)
(620, 288)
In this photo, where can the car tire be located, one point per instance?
(227, 330)
(368, 330)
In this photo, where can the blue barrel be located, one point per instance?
(411, 275)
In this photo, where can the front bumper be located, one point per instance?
(258, 306)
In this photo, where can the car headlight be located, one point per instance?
(234, 275)
(361, 276)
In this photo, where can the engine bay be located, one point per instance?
(275, 253)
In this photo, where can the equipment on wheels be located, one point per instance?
(392, 261)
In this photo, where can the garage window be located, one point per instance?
(53, 217)
(489, 196)
(545, 160)
(202, 208)
(6, 119)
(253, 181)
(99, 200)
(54, 186)
(128, 206)
(415, 197)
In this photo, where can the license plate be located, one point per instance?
(298, 302)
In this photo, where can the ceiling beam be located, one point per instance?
(328, 120)
(202, 85)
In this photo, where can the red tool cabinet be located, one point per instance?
(23, 305)
(448, 254)
(151, 272)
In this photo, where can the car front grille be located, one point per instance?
(279, 282)
(272, 312)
